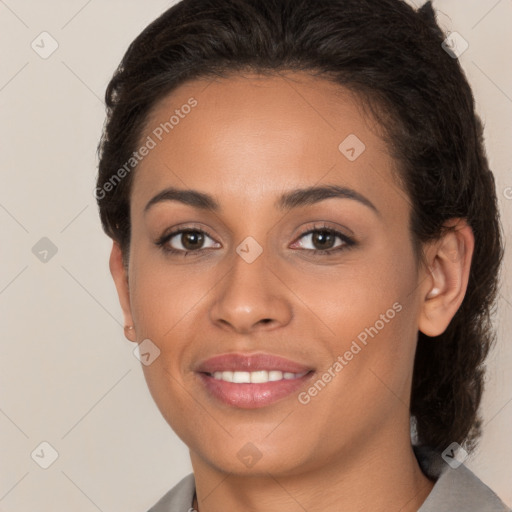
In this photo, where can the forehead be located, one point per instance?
(251, 137)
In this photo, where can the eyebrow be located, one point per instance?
(289, 200)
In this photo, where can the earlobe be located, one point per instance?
(447, 278)
(119, 274)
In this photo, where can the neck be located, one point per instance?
(381, 477)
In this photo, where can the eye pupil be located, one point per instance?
(323, 236)
(194, 236)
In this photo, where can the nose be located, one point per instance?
(251, 297)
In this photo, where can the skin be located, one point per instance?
(249, 140)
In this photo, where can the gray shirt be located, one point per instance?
(455, 490)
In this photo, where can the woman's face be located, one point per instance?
(251, 283)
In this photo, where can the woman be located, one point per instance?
(306, 246)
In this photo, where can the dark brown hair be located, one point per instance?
(392, 57)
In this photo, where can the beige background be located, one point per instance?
(67, 374)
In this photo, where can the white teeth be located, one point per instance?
(241, 377)
(261, 376)
(275, 375)
(257, 377)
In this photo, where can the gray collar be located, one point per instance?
(455, 489)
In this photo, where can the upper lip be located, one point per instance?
(250, 362)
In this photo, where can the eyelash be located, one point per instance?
(347, 241)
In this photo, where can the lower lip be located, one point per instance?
(252, 396)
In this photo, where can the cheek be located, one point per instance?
(367, 314)
(163, 301)
(167, 302)
(344, 300)
(163, 295)
(368, 373)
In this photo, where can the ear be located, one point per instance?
(119, 273)
(442, 292)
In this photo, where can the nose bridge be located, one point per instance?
(250, 295)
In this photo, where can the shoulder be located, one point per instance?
(455, 489)
(179, 498)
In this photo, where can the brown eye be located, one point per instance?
(323, 241)
(185, 241)
(191, 240)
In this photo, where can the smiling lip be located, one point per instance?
(249, 363)
(249, 395)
